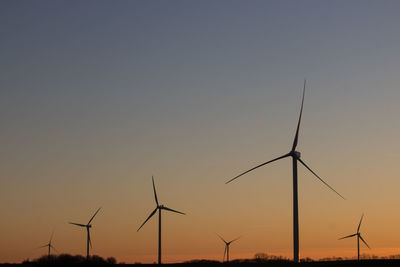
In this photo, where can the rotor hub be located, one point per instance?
(295, 154)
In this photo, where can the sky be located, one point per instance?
(98, 96)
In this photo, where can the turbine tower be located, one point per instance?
(226, 251)
(87, 226)
(358, 238)
(159, 208)
(295, 158)
(49, 246)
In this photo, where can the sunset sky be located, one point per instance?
(98, 96)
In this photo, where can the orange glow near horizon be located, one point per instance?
(263, 217)
(315, 254)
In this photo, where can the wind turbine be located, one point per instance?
(358, 238)
(159, 208)
(87, 226)
(226, 251)
(49, 245)
(295, 158)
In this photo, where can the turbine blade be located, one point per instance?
(148, 218)
(221, 238)
(265, 163)
(224, 254)
(154, 188)
(347, 236)
(165, 208)
(43, 246)
(359, 225)
(51, 237)
(296, 137)
(364, 242)
(53, 248)
(235, 239)
(78, 224)
(305, 165)
(90, 240)
(93, 216)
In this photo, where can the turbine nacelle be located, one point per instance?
(295, 154)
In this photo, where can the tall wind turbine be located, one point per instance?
(87, 226)
(358, 238)
(159, 208)
(49, 246)
(226, 251)
(295, 158)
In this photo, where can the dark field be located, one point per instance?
(242, 264)
(303, 264)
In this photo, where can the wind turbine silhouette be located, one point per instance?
(358, 238)
(226, 251)
(49, 245)
(159, 208)
(87, 226)
(295, 158)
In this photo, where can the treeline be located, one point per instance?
(363, 257)
(258, 258)
(67, 259)
(262, 257)
(267, 258)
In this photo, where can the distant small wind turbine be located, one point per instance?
(295, 158)
(49, 245)
(226, 251)
(159, 208)
(358, 238)
(87, 226)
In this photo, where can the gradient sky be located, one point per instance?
(98, 96)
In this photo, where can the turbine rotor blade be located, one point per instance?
(43, 246)
(165, 208)
(265, 163)
(148, 218)
(154, 188)
(51, 237)
(347, 236)
(90, 240)
(235, 239)
(221, 238)
(93, 216)
(296, 137)
(224, 254)
(359, 225)
(53, 248)
(364, 242)
(330, 187)
(78, 224)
